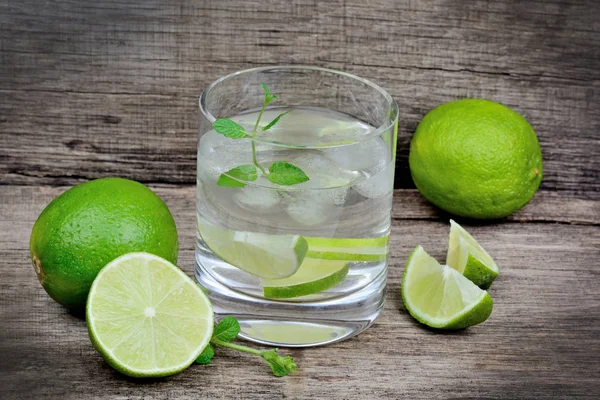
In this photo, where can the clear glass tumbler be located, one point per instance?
(294, 216)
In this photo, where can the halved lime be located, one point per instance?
(470, 259)
(146, 317)
(440, 297)
(263, 255)
(351, 249)
(312, 277)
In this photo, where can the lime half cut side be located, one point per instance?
(146, 317)
(439, 296)
(312, 277)
(350, 249)
(260, 254)
(467, 256)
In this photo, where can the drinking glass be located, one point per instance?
(293, 219)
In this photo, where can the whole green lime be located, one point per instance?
(91, 224)
(476, 158)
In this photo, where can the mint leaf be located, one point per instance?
(229, 128)
(268, 96)
(243, 172)
(206, 356)
(286, 174)
(224, 180)
(227, 329)
(275, 120)
(281, 366)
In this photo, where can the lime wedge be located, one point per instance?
(351, 249)
(440, 297)
(266, 256)
(313, 276)
(470, 259)
(146, 317)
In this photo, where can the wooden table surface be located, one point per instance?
(105, 88)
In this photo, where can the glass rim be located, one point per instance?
(381, 129)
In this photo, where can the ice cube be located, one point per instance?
(311, 207)
(377, 185)
(371, 154)
(328, 183)
(218, 154)
(336, 196)
(257, 199)
(322, 172)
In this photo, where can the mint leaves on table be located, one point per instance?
(207, 355)
(226, 331)
(280, 172)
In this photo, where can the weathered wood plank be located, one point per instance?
(531, 38)
(111, 89)
(546, 206)
(540, 342)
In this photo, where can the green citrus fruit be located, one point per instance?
(91, 224)
(351, 249)
(467, 256)
(313, 276)
(439, 296)
(146, 317)
(260, 254)
(476, 158)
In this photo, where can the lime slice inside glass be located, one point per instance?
(146, 317)
(467, 256)
(439, 296)
(262, 255)
(312, 277)
(350, 249)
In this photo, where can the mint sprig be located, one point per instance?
(226, 331)
(286, 174)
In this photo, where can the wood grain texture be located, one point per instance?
(540, 342)
(111, 88)
(94, 89)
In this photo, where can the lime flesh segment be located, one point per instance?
(312, 277)
(350, 249)
(440, 297)
(146, 317)
(467, 256)
(262, 255)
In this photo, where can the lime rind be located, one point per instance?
(439, 296)
(348, 242)
(349, 249)
(479, 313)
(469, 258)
(312, 277)
(479, 273)
(146, 317)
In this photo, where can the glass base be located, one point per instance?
(292, 324)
